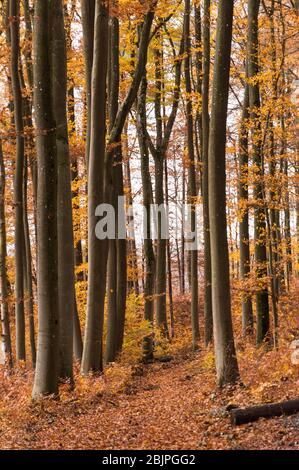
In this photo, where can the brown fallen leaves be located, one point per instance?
(173, 405)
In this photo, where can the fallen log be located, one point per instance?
(253, 413)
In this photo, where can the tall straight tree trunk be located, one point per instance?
(97, 249)
(71, 113)
(161, 314)
(226, 360)
(4, 311)
(168, 253)
(117, 263)
(274, 212)
(198, 59)
(88, 22)
(149, 286)
(66, 275)
(14, 12)
(29, 98)
(46, 375)
(208, 316)
(183, 280)
(287, 225)
(28, 287)
(192, 180)
(262, 303)
(77, 335)
(247, 313)
(132, 250)
(159, 152)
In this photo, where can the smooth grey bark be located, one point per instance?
(14, 13)
(133, 284)
(4, 310)
(71, 113)
(208, 316)
(28, 50)
(66, 277)
(168, 254)
(29, 96)
(46, 375)
(88, 20)
(28, 286)
(92, 352)
(198, 63)
(192, 190)
(117, 265)
(274, 213)
(247, 313)
(226, 360)
(147, 192)
(97, 249)
(158, 151)
(287, 226)
(262, 302)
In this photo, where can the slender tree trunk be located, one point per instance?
(198, 89)
(262, 303)
(192, 181)
(77, 335)
(183, 281)
(161, 315)
(88, 22)
(29, 97)
(205, 184)
(117, 265)
(149, 286)
(226, 360)
(247, 313)
(4, 312)
(14, 12)
(168, 253)
(46, 376)
(133, 260)
(97, 249)
(28, 287)
(159, 152)
(287, 226)
(66, 280)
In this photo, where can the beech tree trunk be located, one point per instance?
(46, 375)
(77, 334)
(117, 263)
(158, 151)
(97, 249)
(66, 279)
(208, 316)
(4, 311)
(88, 22)
(28, 287)
(262, 302)
(192, 181)
(147, 193)
(14, 13)
(226, 360)
(247, 313)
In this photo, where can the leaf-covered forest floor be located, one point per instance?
(173, 405)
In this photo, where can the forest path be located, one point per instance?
(162, 406)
